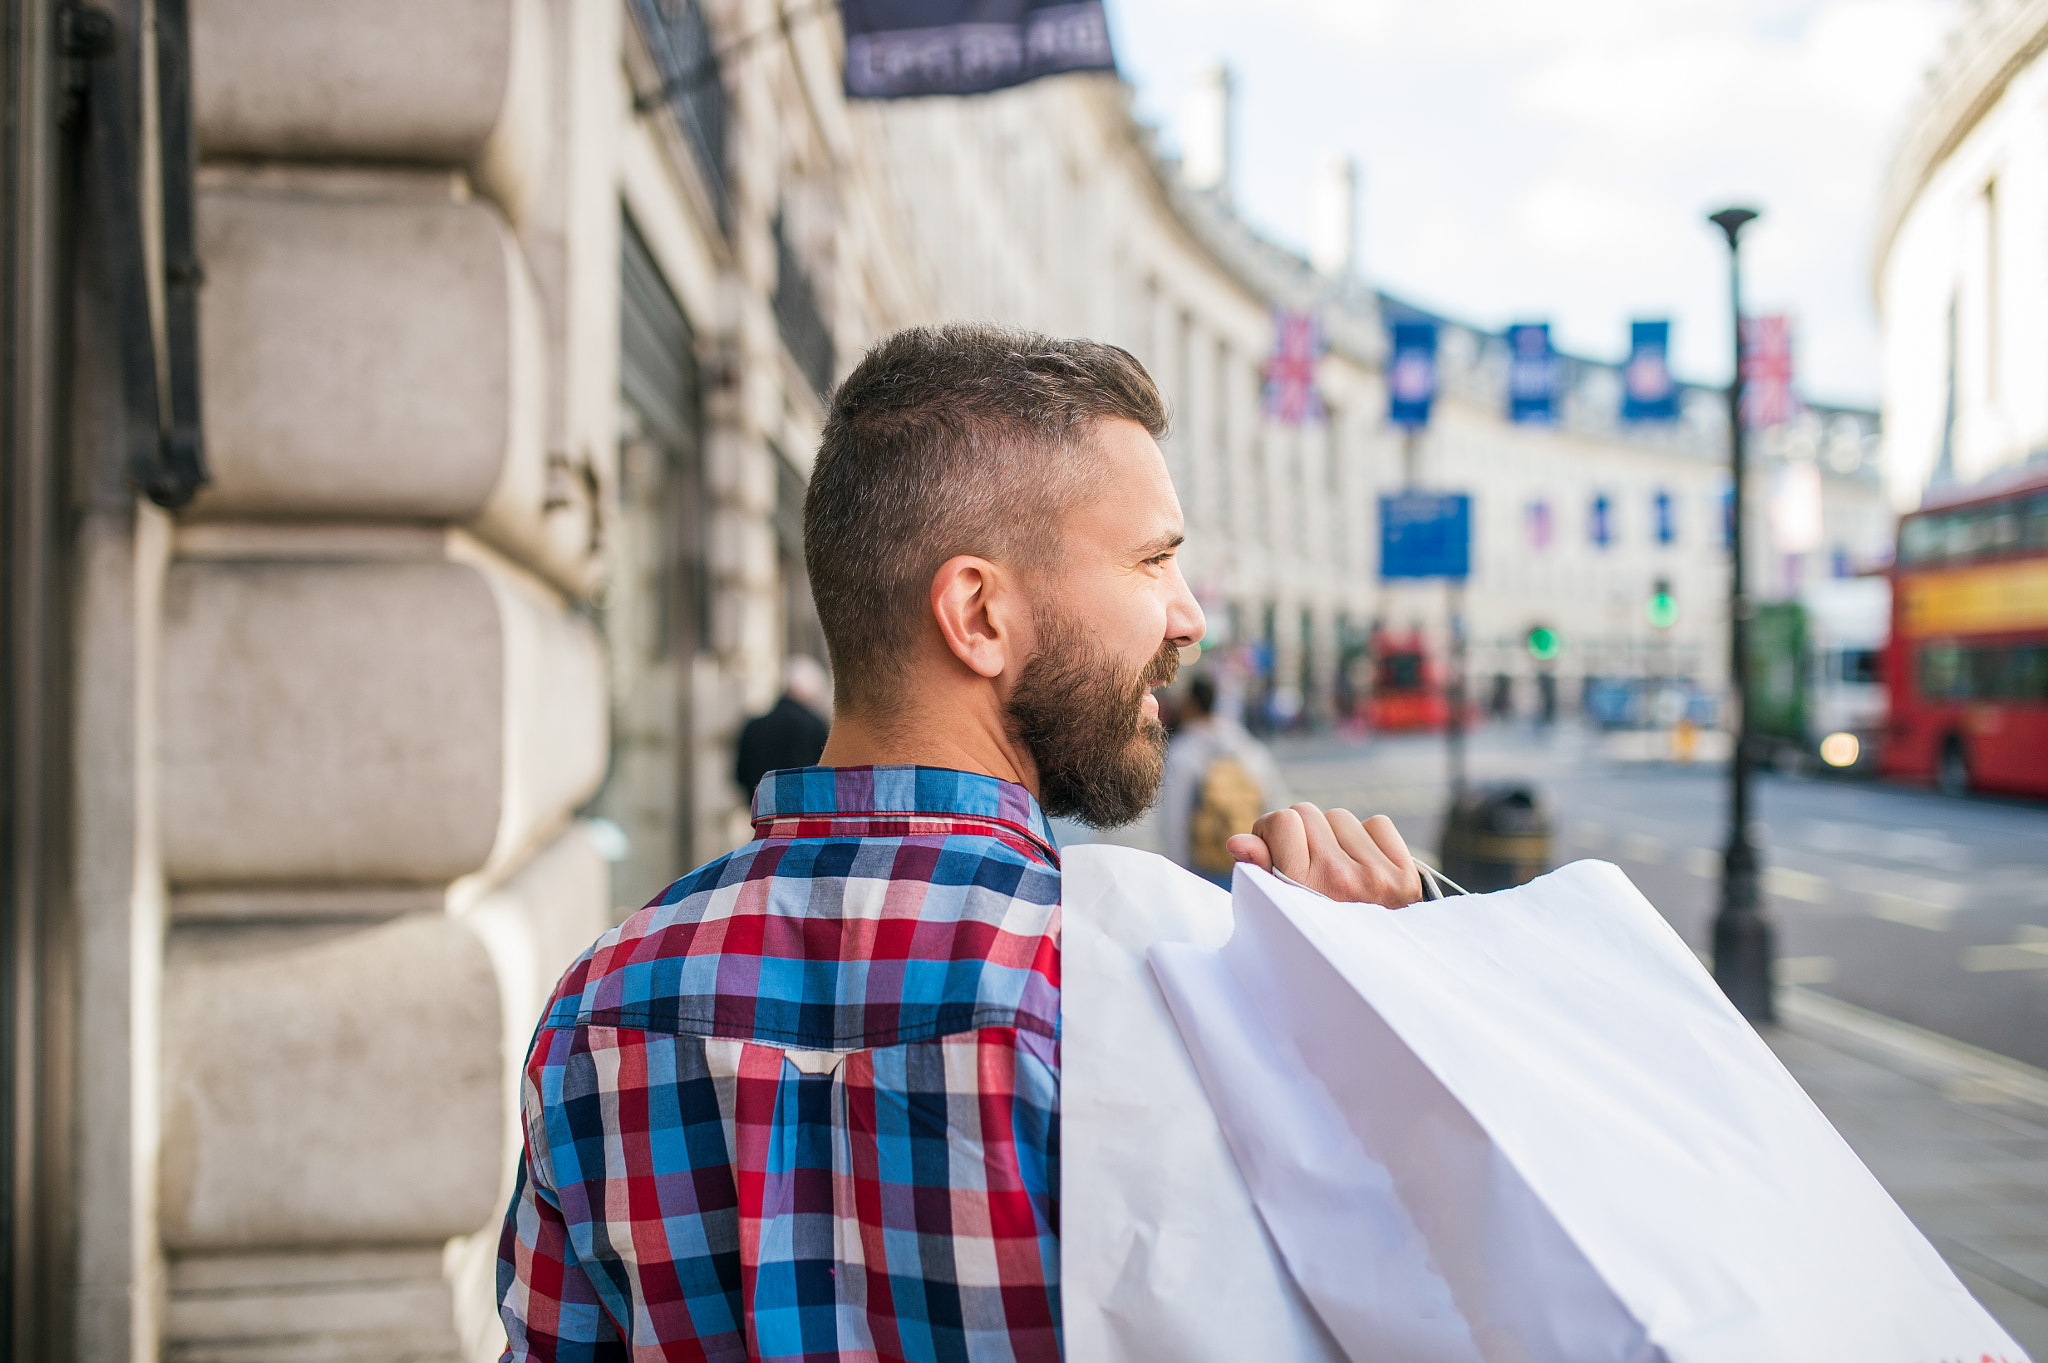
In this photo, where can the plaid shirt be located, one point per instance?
(805, 1105)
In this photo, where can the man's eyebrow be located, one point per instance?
(1163, 544)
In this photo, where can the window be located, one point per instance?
(1953, 672)
(1600, 521)
(797, 315)
(2000, 529)
(1852, 666)
(1991, 284)
(691, 86)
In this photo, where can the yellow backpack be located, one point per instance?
(1230, 802)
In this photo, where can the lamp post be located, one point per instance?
(1742, 935)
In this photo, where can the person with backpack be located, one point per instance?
(1218, 781)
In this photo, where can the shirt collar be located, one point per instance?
(928, 791)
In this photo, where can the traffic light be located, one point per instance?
(1663, 607)
(1545, 643)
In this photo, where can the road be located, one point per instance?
(1929, 909)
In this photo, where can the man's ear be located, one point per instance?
(974, 602)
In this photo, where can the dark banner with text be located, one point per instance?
(899, 49)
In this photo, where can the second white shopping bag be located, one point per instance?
(1590, 1155)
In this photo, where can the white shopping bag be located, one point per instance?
(1162, 1256)
(1527, 1126)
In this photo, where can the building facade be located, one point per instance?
(515, 322)
(515, 330)
(1050, 208)
(1962, 292)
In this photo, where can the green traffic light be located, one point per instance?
(1663, 610)
(1544, 644)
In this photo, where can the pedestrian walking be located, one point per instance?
(1218, 781)
(792, 733)
(806, 1104)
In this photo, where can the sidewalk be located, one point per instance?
(1959, 1136)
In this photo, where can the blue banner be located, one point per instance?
(1648, 393)
(897, 49)
(1534, 373)
(1411, 373)
(1426, 534)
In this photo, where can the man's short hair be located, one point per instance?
(958, 439)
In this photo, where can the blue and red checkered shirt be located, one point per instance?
(805, 1105)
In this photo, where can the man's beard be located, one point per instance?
(1080, 715)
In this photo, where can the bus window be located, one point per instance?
(2037, 523)
(1920, 539)
(2026, 673)
(1943, 672)
(1951, 673)
(1858, 667)
(1401, 672)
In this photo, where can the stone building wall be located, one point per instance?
(456, 586)
(379, 704)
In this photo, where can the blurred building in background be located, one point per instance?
(515, 330)
(1962, 285)
(1051, 208)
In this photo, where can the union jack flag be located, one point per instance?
(1298, 342)
(1767, 397)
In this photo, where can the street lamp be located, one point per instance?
(1742, 935)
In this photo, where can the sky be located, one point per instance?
(1554, 160)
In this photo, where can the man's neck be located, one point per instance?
(973, 743)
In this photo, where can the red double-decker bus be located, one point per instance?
(1407, 686)
(1967, 663)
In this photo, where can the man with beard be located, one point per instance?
(805, 1105)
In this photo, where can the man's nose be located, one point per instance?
(1185, 624)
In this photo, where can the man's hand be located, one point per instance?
(1334, 854)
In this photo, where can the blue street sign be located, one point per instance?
(1426, 534)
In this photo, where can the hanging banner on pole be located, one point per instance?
(1647, 390)
(1298, 343)
(1411, 374)
(1426, 534)
(899, 49)
(1767, 397)
(1534, 373)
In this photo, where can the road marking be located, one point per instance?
(1643, 848)
(2029, 951)
(1803, 969)
(1787, 883)
(1914, 913)
(1701, 861)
